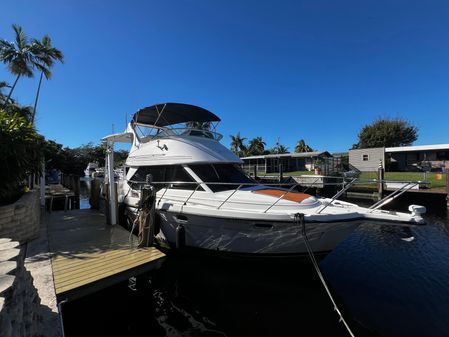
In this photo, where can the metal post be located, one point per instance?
(255, 171)
(281, 173)
(380, 178)
(42, 187)
(111, 181)
(447, 180)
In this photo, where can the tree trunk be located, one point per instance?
(37, 98)
(12, 89)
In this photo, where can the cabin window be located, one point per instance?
(231, 174)
(200, 133)
(163, 175)
(365, 157)
(442, 155)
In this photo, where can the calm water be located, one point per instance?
(386, 284)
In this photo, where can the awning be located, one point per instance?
(126, 137)
(173, 113)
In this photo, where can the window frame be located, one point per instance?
(165, 170)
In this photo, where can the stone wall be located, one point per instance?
(20, 309)
(20, 220)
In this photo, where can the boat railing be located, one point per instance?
(346, 183)
(147, 133)
(343, 190)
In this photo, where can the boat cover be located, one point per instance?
(173, 113)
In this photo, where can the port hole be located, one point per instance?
(263, 225)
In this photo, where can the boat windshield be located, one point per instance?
(163, 176)
(146, 133)
(231, 174)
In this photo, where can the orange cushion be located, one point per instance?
(292, 196)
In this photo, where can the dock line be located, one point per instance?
(299, 218)
(60, 315)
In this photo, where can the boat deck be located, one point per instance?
(89, 255)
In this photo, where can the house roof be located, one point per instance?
(292, 155)
(418, 148)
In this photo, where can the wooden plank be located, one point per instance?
(87, 258)
(96, 254)
(80, 271)
(90, 279)
(89, 255)
(101, 274)
(65, 264)
(100, 262)
(104, 283)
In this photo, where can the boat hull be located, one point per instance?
(250, 237)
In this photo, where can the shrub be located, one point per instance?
(20, 152)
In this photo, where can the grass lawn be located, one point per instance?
(437, 180)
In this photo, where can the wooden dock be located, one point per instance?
(89, 255)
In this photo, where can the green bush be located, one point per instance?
(20, 153)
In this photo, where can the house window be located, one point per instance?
(365, 157)
(443, 155)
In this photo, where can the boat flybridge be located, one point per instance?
(202, 189)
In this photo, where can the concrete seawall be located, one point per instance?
(21, 310)
(20, 221)
(27, 296)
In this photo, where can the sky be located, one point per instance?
(315, 70)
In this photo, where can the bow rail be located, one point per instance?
(346, 183)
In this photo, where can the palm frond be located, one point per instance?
(21, 39)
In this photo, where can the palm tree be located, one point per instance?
(14, 108)
(278, 149)
(256, 146)
(3, 85)
(282, 149)
(17, 56)
(45, 55)
(237, 145)
(301, 146)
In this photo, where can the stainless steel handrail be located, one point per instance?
(355, 181)
(343, 190)
(229, 196)
(196, 188)
(168, 185)
(283, 195)
(392, 196)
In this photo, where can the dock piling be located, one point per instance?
(112, 187)
(147, 215)
(380, 178)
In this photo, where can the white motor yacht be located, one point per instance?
(202, 190)
(91, 168)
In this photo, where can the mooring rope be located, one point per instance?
(299, 217)
(141, 216)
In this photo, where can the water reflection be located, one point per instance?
(192, 296)
(389, 281)
(394, 286)
(84, 192)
